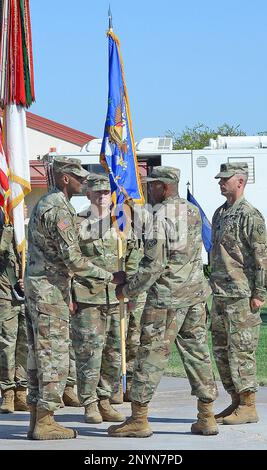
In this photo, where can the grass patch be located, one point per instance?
(176, 368)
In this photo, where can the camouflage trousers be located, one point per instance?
(235, 334)
(72, 379)
(48, 357)
(96, 342)
(159, 329)
(13, 345)
(133, 338)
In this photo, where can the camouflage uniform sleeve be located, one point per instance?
(63, 230)
(132, 257)
(256, 236)
(151, 265)
(6, 239)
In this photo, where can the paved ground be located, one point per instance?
(171, 413)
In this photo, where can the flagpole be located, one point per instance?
(118, 157)
(122, 318)
(110, 25)
(120, 268)
(23, 261)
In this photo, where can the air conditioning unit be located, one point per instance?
(154, 144)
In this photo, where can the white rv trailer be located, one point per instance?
(198, 167)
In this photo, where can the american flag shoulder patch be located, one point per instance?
(63, 224)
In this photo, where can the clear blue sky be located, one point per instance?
(185, 62)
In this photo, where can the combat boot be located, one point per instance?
(117, 397)
(8, 401)
(206, 423)
(69, 397)
(20, 400)
(107, 412)
(135, 426)
(245, 412)
(92, 414)
(47, 428)
(229, 410)
(33, 414)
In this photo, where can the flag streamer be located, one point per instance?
(16, 94)
(16, 64)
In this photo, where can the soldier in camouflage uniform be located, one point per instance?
(13, 337)
(238, 269)
(133, 341)
(96, 323)
(140, 219)
(53, 257)
(172, 274)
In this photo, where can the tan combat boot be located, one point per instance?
(117, 397)
(245, 412)
(107, 412)
(20, 400)
(135, 426)
(47, 428)
(206, 423)
(69, 397)
(229, 410)
(8, 401)
(91, 414)
(33, 414)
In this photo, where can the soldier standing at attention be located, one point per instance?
(171, 272)
(96, 322)
(53, 257)
(238, 270)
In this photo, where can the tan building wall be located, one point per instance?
(40, 144)
(33, 197)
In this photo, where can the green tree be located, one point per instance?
(198, 136)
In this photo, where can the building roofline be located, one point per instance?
(53, 128)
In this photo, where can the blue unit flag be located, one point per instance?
(206, 225)
(118, 154)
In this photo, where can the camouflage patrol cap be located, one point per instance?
(230, 169)
(69, 166)
(98, 182)
(166, 174)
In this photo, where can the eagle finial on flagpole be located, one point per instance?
(110, 25)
